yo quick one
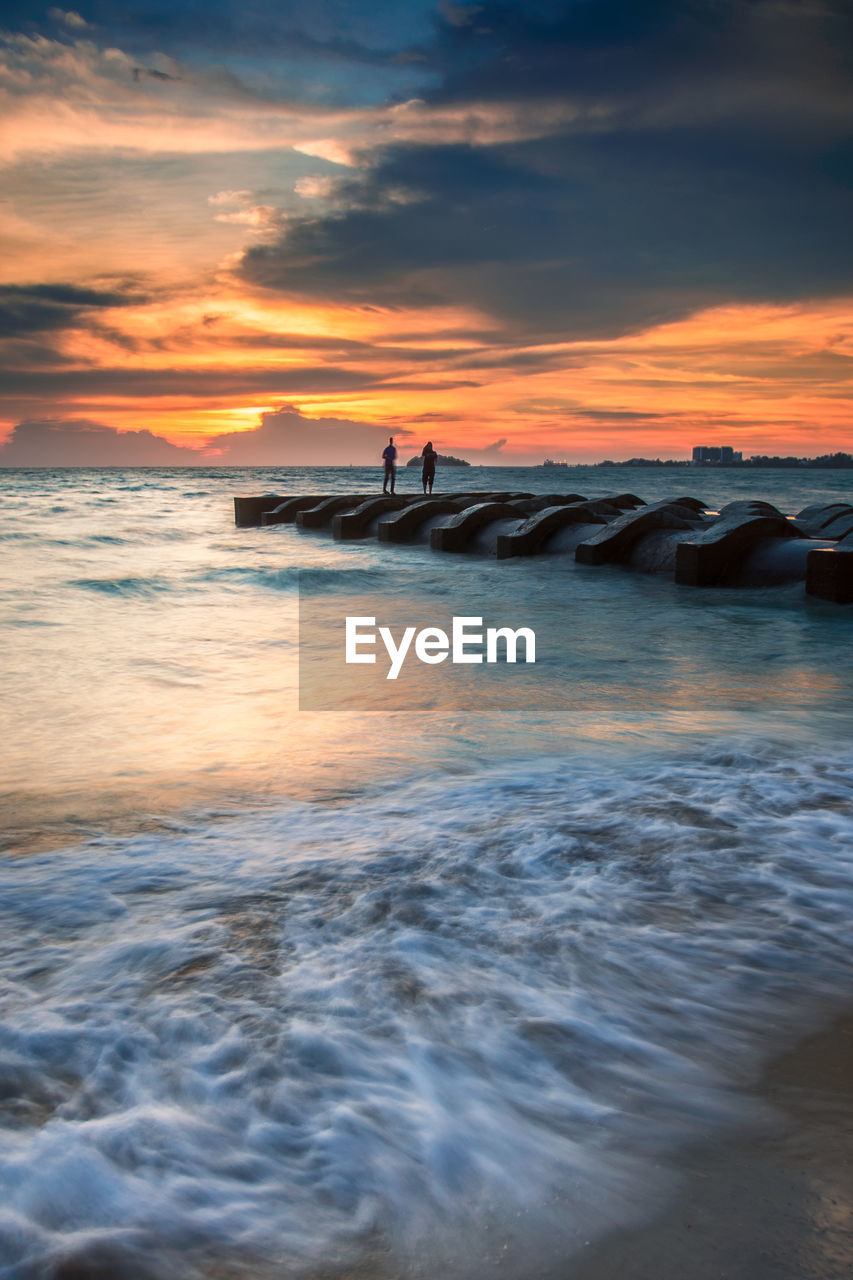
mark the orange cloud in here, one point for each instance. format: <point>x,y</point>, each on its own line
<point>764,379</point>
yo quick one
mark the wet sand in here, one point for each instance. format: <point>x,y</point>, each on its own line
<point>776,1204</point>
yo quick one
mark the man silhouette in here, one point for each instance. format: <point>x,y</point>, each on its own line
<point>389,454</point>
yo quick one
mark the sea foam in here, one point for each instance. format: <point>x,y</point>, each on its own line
<point>456,1023</point>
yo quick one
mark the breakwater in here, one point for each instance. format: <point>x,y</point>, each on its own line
<point>747,543</point>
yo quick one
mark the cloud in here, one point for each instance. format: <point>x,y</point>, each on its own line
<point>286,438</point>
<point>153,73</point>
<point>79,442</point>
<point>235,381</point>
<point>555,175</point>
<point>240,207</point>
<point>315,187</point>
<point>663,61</point>
<point>449,441</point>
<point>657,160</point>
<point>67,18</point>
<point>458,15</point>
<point>42,307</point>
<point>330,36</point>
<point>578,236</point>
<point>59,96</point>
<point>489,455</point>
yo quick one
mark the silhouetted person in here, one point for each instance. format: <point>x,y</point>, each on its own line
<point>389,454</point>
<point>430,458</point>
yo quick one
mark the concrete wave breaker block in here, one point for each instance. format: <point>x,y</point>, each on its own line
<point>690,504</point>
<point>714,556</point>
<point>624,501</point>
<point>404,525</point>
<point>287,511</point>
<point>815,519</point>
<point>354,524</point>
<point>459,530</point>
<point>530,506</point>
<point>617,539</point>
<point>776,561</point>
<point>248,510</point>
<point>838,528</point>
<point>527,539</point>
<point>829,575</point>
<point>753,506</point>
<point>320,516</point>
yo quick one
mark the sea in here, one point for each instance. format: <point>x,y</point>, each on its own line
<point>388,992</point>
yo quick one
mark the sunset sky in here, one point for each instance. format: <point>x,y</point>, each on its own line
<point>276,232</point>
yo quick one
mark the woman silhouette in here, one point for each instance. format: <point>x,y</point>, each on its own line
<point>429,456</point>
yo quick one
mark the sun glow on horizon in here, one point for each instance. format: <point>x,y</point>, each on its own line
<point>762,378</point>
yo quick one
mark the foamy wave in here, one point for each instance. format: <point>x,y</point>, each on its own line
<point>460,1023</point>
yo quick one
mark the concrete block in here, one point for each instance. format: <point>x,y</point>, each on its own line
<point>248,510</point>
<point>460,529</point>
<point>839,527</point>
<point>354,524</point>
<point>529,536</point>
<point>829,575</point>
<point>624,501</point>
<point>287,511</point>
<point>320,516</point>
<point>404,525</point>
<point>713,557</point>
<point>617,539</point>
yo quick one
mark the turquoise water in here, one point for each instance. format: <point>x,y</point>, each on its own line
<point>285,991</point>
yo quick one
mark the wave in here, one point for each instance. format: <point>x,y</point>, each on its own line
<point>123,586</point>
<point>286,579</point>
<point>321,581</point>
<point>457,1022</point>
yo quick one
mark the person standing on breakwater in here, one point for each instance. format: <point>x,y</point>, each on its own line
<point>389,454</point>
<point>429,456</point>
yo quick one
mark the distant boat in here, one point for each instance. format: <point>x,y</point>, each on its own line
<point>549,462</point>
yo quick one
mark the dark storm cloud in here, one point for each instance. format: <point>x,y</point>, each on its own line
<point>129,382</point>
<point>43,307</point>
<point>641,54</point>
<point>624,231</point>
<point>717,170</point>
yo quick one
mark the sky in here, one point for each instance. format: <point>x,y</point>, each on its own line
<point>270,233</point>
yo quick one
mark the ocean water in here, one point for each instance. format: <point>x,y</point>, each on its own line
<point>301,994</point>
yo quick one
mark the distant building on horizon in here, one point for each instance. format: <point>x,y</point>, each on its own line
<point>710,455</point>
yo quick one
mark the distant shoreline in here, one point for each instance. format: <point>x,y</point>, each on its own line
<point>207,465</point>
<point>805,464</point>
